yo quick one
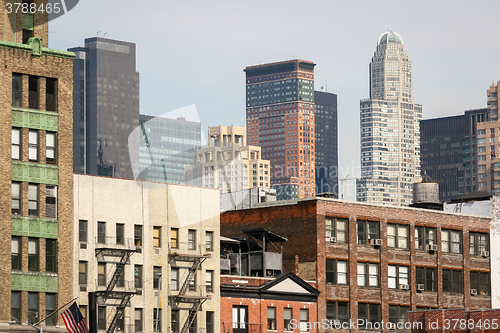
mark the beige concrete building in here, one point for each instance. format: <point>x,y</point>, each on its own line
<point>228,163</point>
<point>163,238</point>
<point>36,85</point>
<point>488,148</point>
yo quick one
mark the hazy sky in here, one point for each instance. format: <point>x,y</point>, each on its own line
<point>194,52</point>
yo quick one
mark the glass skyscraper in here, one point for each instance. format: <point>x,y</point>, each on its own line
<point>390,132</point>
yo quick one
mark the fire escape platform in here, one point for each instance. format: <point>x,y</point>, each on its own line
<point>187,256</point>
<point>188,298</point>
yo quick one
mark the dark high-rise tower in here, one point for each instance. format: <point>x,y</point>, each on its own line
<point>280,119</point>
<point>106,106</point>
<point>326,147</point>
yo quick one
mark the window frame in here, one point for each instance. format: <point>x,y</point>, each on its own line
<point>191,239</point>
<point>15,306</point>
<point>138,234</point>
<point>209,281</point>
<point>156,277</point>
<point>138,273</point>
<point>332,230</point>
<point>397,238</point>
<point>425,281</point>
<point>51,258</point>
<point>157,312</point>
<point>82,274</point>
<point>336,305</point>
<point>447,245</point>
<point>475,248</point>
<point>47,95</point>
<point>33,189</point>
<point>33,254</point>
<point>18,198</point>
<point>51,320</point>
<point>33,95</point>
<point>101,232</point>
<point>398,279</point>
<point>101,276</point>
<point>16,141</point>
<point>33,145</point>
<point>120,233</point>
<point>400,309</point>
<point>49,148</point>
<point>480,287</point>
<point>209,241</point>
<point>156,236</point>
<point>370,316</point>
<point>174,241</point>
<point>332,275</point>
<point>450,285</point>
<point>303,325</point>
<point>271,318</point>
<point>17,94</point>
<point>366,275</point>
<point>364,236</point>
<point>101,318</point>
<point>174,320</point>
<point>16,257</point>
<point>287,322</point>
<point>138,323</point>
<point>83,232</point>
<point>209,321</point>
<point>33,306</point>
<point>422,239</point>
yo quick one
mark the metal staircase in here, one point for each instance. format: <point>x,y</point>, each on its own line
<point>122,251</point>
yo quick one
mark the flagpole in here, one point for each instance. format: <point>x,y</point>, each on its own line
<point>54,312</point>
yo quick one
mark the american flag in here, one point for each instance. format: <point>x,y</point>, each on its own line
<point>75,323</point>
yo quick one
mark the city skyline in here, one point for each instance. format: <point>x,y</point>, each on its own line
<point>448,56</point>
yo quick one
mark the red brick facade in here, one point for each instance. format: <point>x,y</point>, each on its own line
<point>303,223</point>
<point>455,321</point>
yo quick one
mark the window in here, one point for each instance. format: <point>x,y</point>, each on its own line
<point>397,235</point>
<point>101,318</point>
<point>271,318</point>
<point>82,230</point>
<point>15,305</point>
<point>16,198</point>
<point>174,238</point>
<point>34,89</point>
<point>337,311</point>
<point>120,229</point>
<point>368,274</point>
<point>367,230</point>
<point>101,232</point>
<point>16,253</point>
<point>156,276</point>
<point>370,314</point>
<point>120,323</point>
<point>138,276</point>
<point>174,320</point>
<point>481,132</point>
<point>192,281</point>
<point>209,241</point>
<point>398,315</point>
<point>33,308</point>
<point>398,275</point>
<point>452,281</point>
<point>478,242</point>
<point>50,94</point>
<point>50,148</point>
<point>287,319</point>
<point>157,320</point>
<point>336,227</point>
<point>209,322</point>
<point>138,235</point>
<point>451,241</point>
<point>191,239</point>
<point>50,306</point>
<point>33,200</point>
<point>304,320</point>
<point>17,93</point>
<point>33,254</point>
<point>101,274</point>
<point>240,317</point>
<point>16,143</point>
<point>120,270</point>
<point>50,255</point>
<point>138,320</point>
<point>33,145</point>
<point>480,281</point>
<point>424,236</point>
<point>192,328</point>
<point>82,273</point>
<point>209,278</point>
<point>83,310</point>
<point>336,271</point>
<point>157,236</point>
<point>427,277</point>
<point>51,202</point>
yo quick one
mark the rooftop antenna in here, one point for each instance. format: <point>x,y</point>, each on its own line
<point>326,85</point>
<point>98,33</point>
<point>105,34</point>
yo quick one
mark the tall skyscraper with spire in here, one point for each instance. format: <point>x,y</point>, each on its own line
<point>390,132</point>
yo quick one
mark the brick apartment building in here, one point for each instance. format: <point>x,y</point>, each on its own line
<point>460,320</point>
<point>36,85</point>
<point>374,262</point>
<point>258,304</point>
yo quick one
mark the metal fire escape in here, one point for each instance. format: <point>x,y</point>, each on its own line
<point>121,250</point>
<point>195,299</point>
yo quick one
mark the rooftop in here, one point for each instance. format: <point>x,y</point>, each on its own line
<point>390,37</point>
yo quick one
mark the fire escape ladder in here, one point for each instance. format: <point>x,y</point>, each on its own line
<point>192,315</point>
<point>191,274</point>
<point>119,270</point>
<point>119,313</point>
